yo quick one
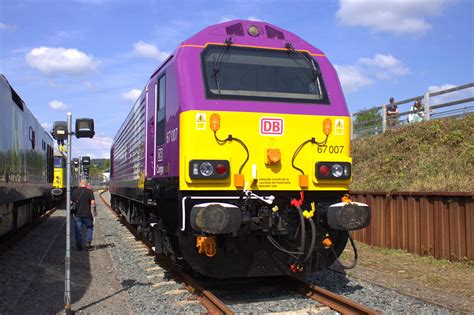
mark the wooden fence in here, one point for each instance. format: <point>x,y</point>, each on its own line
<point>436,224</point>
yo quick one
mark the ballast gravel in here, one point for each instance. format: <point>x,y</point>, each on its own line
<point>152,290</point>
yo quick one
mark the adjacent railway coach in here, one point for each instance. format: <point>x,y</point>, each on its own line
<point>26,162</point>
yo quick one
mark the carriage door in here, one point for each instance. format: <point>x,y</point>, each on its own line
<point>150,130</point>
<point>160,94</point>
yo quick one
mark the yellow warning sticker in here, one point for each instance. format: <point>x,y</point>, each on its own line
<point>339,127</point>
<point>200,121</point>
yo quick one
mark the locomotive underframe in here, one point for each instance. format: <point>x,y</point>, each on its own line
<point>158,215</point>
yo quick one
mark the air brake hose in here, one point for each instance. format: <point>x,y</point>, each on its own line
<point>354,261</point>
<point>303,228</point>
<point>313,240</point>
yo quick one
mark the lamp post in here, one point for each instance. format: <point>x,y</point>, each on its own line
<point>67,293</point>
<point>62,130</point>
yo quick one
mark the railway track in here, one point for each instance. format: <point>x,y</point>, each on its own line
<point>216,306</point>
<point>213,304</point>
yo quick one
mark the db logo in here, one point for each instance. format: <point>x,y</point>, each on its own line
<point>271,126</point>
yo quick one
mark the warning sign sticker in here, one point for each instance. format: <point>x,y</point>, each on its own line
<point>200,121</point>
<point>339,127</point>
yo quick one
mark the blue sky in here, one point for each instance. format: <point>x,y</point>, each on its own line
<point>91,57</point>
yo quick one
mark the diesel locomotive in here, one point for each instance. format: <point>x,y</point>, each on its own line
<point>26,162</point>
<point>235,159</point>
<point>60,172</point>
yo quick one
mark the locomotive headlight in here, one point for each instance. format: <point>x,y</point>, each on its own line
<point>206,169</point>
<point>337,170</point>
<point>195,169</point>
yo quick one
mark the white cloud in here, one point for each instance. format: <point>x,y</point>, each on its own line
<point>91,87</point>
<point>147,50</point>
<point>4,26</point>
<point>96,148</point>
<point>351,77</point>
<point>367,70</point>
<point>59,60</point>
<point>448,97</point>
<point>57,105</point>
<point>227,18</point>
<point>385,66</point>
<point>391,16</point>
<point>253,18</point>
<point>46,125</point>
<point>131,95</point>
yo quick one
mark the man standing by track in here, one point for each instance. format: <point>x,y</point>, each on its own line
<point>85,202</point>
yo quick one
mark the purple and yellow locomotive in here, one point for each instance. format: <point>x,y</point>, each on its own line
<point>235,158</point>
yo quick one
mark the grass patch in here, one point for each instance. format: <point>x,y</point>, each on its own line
<point>435,155</point>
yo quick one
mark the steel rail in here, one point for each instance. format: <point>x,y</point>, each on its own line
<point>332,300</point>
<point>212,303</point>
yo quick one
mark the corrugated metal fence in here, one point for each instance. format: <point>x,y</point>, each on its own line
<point>436,224</point>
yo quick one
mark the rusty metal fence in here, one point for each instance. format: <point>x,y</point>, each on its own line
<point>435,224</point>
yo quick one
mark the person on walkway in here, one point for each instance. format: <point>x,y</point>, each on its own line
<point>418,114</point>
<point>85,206</point>
<point>392,113</point>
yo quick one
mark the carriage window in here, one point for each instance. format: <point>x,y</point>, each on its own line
<point>161,107</point>
<point>262,74</point>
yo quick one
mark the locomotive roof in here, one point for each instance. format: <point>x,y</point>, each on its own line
<point>269,36</point>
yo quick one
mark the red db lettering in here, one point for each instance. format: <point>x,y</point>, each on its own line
<point>271,126</point>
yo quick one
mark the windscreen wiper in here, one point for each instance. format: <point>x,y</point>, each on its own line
<point>218,61</point>
<point>315,70</point>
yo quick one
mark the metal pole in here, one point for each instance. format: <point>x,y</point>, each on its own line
<point>67,293</point>
<point>426,104</point>
<point>384,118</point>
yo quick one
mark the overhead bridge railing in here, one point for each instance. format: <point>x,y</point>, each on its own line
<point>434,105</point>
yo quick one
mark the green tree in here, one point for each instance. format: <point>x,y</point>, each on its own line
<point>368,119</point>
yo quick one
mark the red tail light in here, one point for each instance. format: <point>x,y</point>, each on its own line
<point>324,170</point>
<point>221,169</point>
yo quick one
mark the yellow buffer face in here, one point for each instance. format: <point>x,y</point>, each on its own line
<point>272,140</point>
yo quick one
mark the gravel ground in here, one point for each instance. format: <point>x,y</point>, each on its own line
<point>28,258</point>
<point>385,300</point>
<point>151,290</point>
<point>32,274</point>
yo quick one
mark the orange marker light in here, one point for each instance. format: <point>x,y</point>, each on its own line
<point>215,122</point>
<point>273,156</point>
<point>327,126</point>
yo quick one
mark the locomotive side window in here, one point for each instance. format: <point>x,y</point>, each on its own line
<point>160,107</point>
<point>262,74</point>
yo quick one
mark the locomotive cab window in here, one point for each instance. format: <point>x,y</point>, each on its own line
<point>262,74</point>
<point>58,161</point>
